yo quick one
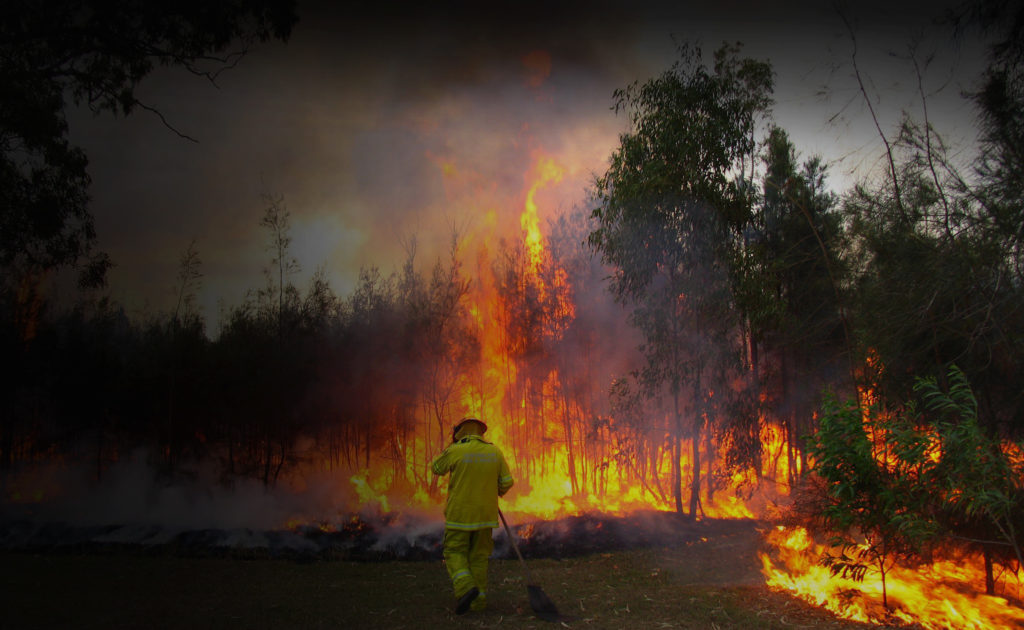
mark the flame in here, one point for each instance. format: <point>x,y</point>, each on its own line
<point>565,455</point>
<point>945,593</point>
<point>368,494</point>
<point>545,171</point>
<point>562,450</point>
<point>933,596</point>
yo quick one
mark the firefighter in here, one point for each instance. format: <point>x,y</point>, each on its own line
<point>479,475</point>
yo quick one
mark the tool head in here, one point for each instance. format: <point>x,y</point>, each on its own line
<point>542,604</point>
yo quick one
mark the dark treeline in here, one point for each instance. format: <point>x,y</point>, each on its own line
<point>93,382</point>
<point>301,379</point>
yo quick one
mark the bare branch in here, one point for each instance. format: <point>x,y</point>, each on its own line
<point>874,116</point>
<point>164,120</point>
<point>928,142</point>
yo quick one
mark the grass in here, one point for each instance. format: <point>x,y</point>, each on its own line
<point>710,584</point>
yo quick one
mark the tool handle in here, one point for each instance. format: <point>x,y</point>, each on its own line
<point>511,538</point>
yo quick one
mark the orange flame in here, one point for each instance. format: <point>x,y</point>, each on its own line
<point>545,171</point>
<point>934,596</point>
<point>563,454</point>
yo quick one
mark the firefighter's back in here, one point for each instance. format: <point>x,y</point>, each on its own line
<point>473,488</point>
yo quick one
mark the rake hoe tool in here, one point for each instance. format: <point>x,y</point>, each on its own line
<point>539,601</point>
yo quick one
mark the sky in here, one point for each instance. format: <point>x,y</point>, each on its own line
<point>385,126</point>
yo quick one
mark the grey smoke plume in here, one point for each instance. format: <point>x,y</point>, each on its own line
<point>132,493</point>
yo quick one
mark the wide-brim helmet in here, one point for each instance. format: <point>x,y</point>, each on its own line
<point>463,422</point>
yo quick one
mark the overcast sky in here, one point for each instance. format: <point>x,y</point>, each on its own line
<point>378,127</point>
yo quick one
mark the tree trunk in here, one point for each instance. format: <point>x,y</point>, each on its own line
<point>695,484</point>
<point>790,454</point>
<point>677,472</point>
<point>990,582</point>
<point>885,592</point>
<point>570,455</point>
<point>790,435</point>
<point>754,357</point>
<point>280,464</point>
<point>698,422</point>
<point>709,457</point>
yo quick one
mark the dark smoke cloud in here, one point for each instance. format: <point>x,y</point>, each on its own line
<point>351,119</point>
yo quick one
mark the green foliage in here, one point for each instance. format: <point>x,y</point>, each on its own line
<point>976,477</point>
<point>788,285</point>
<point>672,192</point>
<point>874,505</point>
<point>937,245</point>
<point>670,209</point>
<point>899,483</point>
<point>802,241</point>
<point>671,197</point>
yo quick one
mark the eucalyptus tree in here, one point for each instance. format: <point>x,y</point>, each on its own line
<point>280,298</point>
<point>669,210</point>
<point>792,290</point>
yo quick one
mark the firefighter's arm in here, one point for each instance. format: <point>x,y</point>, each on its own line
<point>442,464</point>
<point>505,480</point>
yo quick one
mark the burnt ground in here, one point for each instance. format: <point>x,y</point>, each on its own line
<point>602,572</point>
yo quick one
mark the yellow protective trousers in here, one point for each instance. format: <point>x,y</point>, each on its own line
<point>465,555</point>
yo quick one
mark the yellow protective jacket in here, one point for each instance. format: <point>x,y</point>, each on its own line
<point>479,476</point>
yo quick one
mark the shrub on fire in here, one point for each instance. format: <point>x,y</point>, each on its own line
<point>900,484</point>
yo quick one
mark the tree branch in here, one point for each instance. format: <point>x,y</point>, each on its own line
<point>928,143</point>
<point>164,120</point>
<point>874,116</point>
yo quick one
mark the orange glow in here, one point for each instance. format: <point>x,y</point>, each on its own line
<point>947,593</point>
<point>569,455</point>
<point>941,595</point>
<point>562,446</point>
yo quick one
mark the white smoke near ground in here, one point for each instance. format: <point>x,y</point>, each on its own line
<point>61,507</point>
<point>132,492</point>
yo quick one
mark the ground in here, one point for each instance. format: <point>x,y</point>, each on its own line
<point>713,583</point>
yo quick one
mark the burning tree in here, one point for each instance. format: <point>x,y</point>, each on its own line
<point>791,271</point>
<point>670,209</point>
<point>871,503</point>
<point>977,480</point>
<point>900,484</point>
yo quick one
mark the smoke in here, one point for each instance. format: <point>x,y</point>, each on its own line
<point>132,492</point>
<point>54,507</point>
<point>132,511</point>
